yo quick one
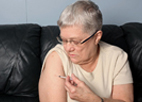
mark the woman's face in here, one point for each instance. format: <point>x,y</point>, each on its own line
<point>80,53</point>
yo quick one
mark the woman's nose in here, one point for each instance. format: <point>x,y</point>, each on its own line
<point>69,47</point>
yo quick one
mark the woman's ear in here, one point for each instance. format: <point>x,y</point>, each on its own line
<point>98,36</point>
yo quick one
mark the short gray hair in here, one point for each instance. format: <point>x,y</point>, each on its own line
<point>82,12</point>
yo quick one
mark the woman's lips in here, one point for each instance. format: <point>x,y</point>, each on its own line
<point>71,55</point>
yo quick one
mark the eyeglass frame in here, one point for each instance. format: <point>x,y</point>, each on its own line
<point>81,41</point>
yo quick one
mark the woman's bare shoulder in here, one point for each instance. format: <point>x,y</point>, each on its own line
<point>53,59</point>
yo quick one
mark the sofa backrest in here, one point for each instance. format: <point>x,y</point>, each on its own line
<point>133,36</point>
<point>19,59</point>
<point>48,39</point>
<point>23,49</point>
<point>113,34</point>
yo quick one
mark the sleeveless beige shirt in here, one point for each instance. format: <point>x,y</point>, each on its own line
<point>112,69</point>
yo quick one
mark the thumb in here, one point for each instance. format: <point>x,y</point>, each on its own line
<point>75,79</point>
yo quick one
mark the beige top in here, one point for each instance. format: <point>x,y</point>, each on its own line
<point>112,69</point>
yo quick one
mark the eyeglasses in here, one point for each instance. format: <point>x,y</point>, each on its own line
<point>74,42</point>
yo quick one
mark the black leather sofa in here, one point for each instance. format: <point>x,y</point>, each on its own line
<point>24,46</point>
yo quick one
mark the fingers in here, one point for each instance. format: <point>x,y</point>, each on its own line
<point>79,92</point>
<point>69,82</point>
<point>75,79</point>
<point>68,78</point>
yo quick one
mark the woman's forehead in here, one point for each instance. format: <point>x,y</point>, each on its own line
<point>72,32</point>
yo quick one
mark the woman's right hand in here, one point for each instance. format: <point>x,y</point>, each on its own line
<point>79,91</point>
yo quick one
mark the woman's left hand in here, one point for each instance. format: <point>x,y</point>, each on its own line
<point>79,91</point>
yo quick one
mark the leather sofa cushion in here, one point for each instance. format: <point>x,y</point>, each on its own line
<point>48,39</point>
<point>133,36</point>
<point>20,59</point>
<point>113,34</point>
<point>9,98</point>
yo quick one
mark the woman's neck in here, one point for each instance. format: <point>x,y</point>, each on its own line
<point>92,62</point>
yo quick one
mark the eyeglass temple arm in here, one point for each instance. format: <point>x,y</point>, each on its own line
<point>89,37</point>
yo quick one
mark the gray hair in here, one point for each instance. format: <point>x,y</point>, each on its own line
<point>82,12</point>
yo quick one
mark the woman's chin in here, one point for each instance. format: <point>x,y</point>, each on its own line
<point>74,61</point>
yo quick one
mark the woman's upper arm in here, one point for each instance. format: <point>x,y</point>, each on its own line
<point>123,92</point>
<point>51,87</point>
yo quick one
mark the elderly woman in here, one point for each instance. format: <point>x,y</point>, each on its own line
<point>95,71</point>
